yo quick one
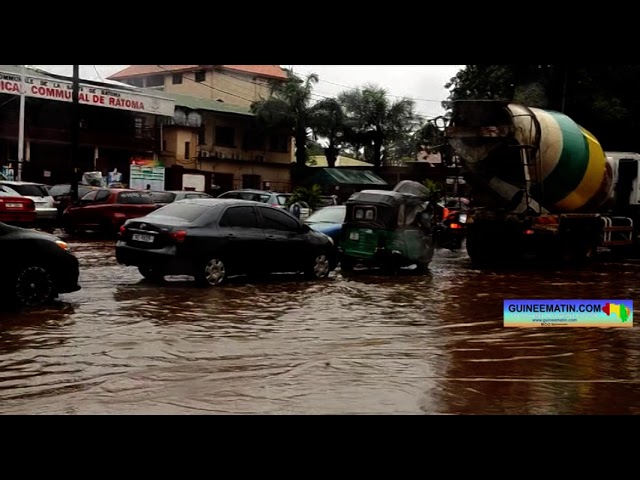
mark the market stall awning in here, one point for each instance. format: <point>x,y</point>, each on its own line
<point>347,176</point>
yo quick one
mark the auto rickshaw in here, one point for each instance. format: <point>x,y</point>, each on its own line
<point>388,229</point>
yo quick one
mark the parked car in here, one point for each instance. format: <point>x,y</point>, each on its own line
<point>212,239</point>
<point>46,210</point>
<point>277,200</point>
<point>36,267</point>
<point>163,198</point>
<point>328,220</point>
<point>106,210</point>
<point>62,195</point>
<point>16,209</point>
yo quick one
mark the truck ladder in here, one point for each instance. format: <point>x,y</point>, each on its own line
<point>528,158</point>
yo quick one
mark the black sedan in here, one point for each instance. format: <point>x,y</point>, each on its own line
<point>35,268</point>
<point>211,239</point>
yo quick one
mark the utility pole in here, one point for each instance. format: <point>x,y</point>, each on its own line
<point>23,90</point>
<point>75,131</point>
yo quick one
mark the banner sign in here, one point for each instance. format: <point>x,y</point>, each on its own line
<point>51,89</point>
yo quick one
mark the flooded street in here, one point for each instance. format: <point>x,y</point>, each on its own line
<point>364,344</point>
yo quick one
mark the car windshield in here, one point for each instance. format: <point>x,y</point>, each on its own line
<point>30,190</point>
<point>137,198</point>
<point>283,199</point>
<point>183,211</point>
<point>60,190</point>
<point>327,215</point>
<point>162,197</point>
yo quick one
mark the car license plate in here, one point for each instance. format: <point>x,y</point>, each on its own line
<point>354,236</point>
<point>142,238</point>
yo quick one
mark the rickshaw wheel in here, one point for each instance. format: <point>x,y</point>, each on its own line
<point>347,265</point>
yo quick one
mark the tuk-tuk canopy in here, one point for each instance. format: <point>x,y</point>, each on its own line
<point>383,209</point>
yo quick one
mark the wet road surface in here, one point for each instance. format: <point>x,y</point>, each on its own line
<point>363,344</point>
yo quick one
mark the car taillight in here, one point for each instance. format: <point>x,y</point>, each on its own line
<point>122,230</point>
<point>455,226</point>
<point>178,236</point>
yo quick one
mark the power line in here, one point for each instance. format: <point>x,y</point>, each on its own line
<point>345,86</point>
<point>325,96</point>
<point>99,76</point>
<point>208,86</point>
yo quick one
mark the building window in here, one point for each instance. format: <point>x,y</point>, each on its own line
<point>177,78</point>
<point>155,81</point>
<point>279,143</point>
<point>136,82</point>
<point>251,181</point>
<point>138,123</point>
<point>201,136</point>
<point>187,150</point>
<point>201,76</point>
<point>253,140</point>
<point>225,136</point>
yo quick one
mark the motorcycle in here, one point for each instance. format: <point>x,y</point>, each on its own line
<point>451,230</point>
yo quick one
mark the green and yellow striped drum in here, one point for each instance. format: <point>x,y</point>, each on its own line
<point>570,161</point>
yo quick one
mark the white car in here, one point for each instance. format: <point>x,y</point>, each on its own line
<point>46,211</point>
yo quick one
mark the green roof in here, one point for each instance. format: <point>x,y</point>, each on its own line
<point>197,103</point>
<point>345,176</point>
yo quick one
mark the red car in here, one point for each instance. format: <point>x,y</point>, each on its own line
<point>106,210</point>
<point>16,209</point>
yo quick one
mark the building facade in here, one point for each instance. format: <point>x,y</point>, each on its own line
<point>117,125</point>
<point>234,84</point>
<point>216,147</point>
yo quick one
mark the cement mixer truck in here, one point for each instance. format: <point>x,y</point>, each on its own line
<point>541,185</point>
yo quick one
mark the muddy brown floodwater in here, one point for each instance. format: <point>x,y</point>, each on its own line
<point>366,344</point>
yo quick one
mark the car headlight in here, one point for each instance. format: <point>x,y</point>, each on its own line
<point>462,218</point>
<point>63,245</point>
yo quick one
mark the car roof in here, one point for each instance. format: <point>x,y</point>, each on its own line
<point>214,202</point>
<point>15,182</point>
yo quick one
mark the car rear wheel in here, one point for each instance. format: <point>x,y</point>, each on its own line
<point>320,266</point>
<point>151,273</point>
<point>212,273</point>
<point>33,286</point>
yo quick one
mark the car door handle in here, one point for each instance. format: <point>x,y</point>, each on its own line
<point>271,237</point>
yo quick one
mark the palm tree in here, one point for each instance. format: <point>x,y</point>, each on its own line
<point>373,121</point>
<point>289,107</point>
<point>328,121</point>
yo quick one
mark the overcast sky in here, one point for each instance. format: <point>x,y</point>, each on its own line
<point>423,83</point>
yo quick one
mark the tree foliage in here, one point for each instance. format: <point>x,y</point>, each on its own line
<point>601,98</point>
<point>373,122</point>
<point>289,107</point>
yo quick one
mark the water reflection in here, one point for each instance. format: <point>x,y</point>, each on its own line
<point>537,371</point>
<point>362,343</point>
